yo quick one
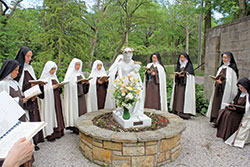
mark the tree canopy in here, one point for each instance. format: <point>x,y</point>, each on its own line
<point>60,30</point>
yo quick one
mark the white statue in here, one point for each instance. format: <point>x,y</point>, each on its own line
<point>126,67</point>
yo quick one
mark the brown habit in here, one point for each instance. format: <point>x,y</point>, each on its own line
<point>82,89</point>
<point>152,99</point>
<point>218,94</point>
<point>32,107</point>
<point>18,93</point>
<point>228,120</point>
<point>179,95</point>
<point>101,91</point>
<point>59,130</point>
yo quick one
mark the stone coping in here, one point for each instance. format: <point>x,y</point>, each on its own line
<point>85,126</point>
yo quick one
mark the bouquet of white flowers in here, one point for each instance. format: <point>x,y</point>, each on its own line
<point>126,93</point>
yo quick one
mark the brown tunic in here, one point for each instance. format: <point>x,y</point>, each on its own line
<point>18,93</point>
<point>32,107</point>
<point>82,89</point>
<point>101,91</point>
<point>179,95</point>
<point>218,94</point>
<point>228,120</point>
<point>152,99</point>
<point>59,130</point>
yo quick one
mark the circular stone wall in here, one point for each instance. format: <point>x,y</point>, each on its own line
<point>130,149</point>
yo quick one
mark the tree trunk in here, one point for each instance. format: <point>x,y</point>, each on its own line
<point>127,30</point>
<point>1,9</point>
<point>207,20</point>
<point>119,46</point>
<point>200,36</point>
<point>94,40</point>
<point>127,39</point>
<point>92,51</point>
<point>146,43</point>
<point>187,39</point>
<point>242,8</point>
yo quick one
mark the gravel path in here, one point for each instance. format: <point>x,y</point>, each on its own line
<point>200,147</point>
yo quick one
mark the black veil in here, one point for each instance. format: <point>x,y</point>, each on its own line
<point>189,67</point>
<point>7,68</point>
<point>21,59</point>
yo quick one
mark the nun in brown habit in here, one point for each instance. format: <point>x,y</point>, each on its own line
<point>26,73</point>
<point>98,88</point>
<point>229,118</point>
<point>51,105</point>
<point>74,94</point>
<point>155,84</point>
<point>225,88</point>
<point>183,93</point>
<point>8,73</point>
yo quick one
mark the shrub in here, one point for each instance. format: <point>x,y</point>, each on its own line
<point>201,102</point>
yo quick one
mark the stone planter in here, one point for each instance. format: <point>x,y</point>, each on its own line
<point>130,149</point>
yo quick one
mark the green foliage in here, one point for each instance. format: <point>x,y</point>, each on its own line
<point>61,30</point>
<point>169,92</point>
<point>63,36</point>
<point>201,102</point>
<point>142,72</point>
<point>170,68</point>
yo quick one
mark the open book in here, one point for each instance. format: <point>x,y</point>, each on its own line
<point>151,68</point>
<point>84,80</point>
<point>63,83</point>
<point>180,73</point>
<point>33,91</point>
<point>234,105</point>
<point>11,129</point>
<point>38,82</point>
<point>103,78</point>
<point>220,76</point>
<point>213,77</point>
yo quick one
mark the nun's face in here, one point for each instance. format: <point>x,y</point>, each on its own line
<point>242,89</point>
<point>52,71</point>
<point>225,58</point>
<point>77,66</point>
<point>183,58</point>
<point>28,57</point>
<point>99,67</point>
<point>14,73</point>
<point>154,58</point>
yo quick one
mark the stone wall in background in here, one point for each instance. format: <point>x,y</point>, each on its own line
<point>233,37</point>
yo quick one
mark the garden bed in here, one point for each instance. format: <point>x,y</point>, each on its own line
<point>107,121</point>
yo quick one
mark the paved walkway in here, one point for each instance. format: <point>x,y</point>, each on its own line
<point>200,148</point>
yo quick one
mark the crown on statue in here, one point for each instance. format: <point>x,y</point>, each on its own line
<point>127,50</point>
